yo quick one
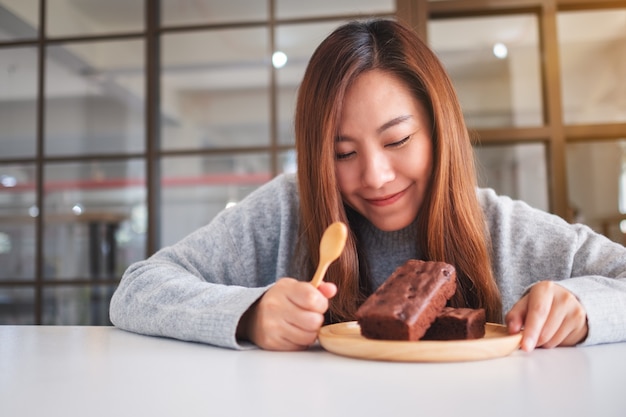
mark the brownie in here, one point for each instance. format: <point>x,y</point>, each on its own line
<point>406,304</point>
<point>457,324</point>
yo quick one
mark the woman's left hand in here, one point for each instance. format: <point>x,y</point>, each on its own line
<point>550,316</point>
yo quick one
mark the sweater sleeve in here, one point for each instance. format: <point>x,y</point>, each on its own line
<point>530,245</point>
<point>599,282</point>
<point>198,288</point>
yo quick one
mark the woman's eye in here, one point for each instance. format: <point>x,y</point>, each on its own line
<point>398,143</point>
<point>340,156</point>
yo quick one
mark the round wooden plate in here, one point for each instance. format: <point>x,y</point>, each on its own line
<point>345,339</point>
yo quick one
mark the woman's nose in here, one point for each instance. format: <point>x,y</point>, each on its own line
<point>378,170</point>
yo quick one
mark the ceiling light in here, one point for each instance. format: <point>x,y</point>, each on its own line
<point>279,59</point>
<point>8,181</point>
<point>500,50</point>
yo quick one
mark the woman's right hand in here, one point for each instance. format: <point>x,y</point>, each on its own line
<point>288,316</point>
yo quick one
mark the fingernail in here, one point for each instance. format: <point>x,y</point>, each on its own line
<point>528,344</point>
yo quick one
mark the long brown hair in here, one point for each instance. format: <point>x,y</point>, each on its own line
<point>451,226</point>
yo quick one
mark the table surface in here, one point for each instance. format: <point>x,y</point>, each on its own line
<point>104,371</point>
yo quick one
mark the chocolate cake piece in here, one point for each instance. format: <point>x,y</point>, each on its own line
<point>406,304</point>
<point>457,324</point>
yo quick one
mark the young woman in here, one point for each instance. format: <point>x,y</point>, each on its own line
<point>382,146</point>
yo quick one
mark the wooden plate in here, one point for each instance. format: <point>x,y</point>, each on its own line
<point>345,339</point>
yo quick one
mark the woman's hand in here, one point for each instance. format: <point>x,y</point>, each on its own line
<point>288,316</point>
<point>550,316</point>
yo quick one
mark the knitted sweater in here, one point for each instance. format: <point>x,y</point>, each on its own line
<point>198,288</point>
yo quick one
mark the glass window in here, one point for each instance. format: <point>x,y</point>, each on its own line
<point>494,64</point>
<point>94,218</point>
<point>186,12</point>
<point>215,89</point>
<point>195,189</point>
<point>18,102</point>
<point>287,162</point>
<point>18,214</point>
<point>17,306</point>
<point>596,178</point>
<point>518,171</point>
<point>297,42</point>
<point>305,8</point>
<point>19,20</point>
<point>593,67</point>
<point>95,98</point>
<point>77,305</point>
<point>72,18</point>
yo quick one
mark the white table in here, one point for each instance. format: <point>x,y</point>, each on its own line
<point>102,371</point>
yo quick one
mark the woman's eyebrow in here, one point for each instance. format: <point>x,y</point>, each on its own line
<point>393,122</point>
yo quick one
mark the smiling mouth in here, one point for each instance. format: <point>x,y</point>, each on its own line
<point>386,200</point>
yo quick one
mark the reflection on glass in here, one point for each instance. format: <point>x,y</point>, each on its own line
<point>95,218</point>
<point>18,214</point>
<point>595,191</point>
<point>592,65</point>
<point>94,98</point>
<point>518,171</point>
<point>306,8</point>
<point>184,12</point>
<point>494,91</point>
<point>215,89</point>
<point>287,162</point>
<point>195,189</point>
<point>20,19</point>
<point>17,306</point>
<point>18,102</point>
<point>74,18</point>
<point>298,42</point>
<point>77,305</point>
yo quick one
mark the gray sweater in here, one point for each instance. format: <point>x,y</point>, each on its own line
<point>199,288</point>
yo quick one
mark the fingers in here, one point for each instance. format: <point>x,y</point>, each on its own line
<point>289,315</point>
<point>516,316</point>
<point>306,296</point>
<point>572,318</point>
<point>328,289</point>
<point>538,309</point>
<point>550,316</point>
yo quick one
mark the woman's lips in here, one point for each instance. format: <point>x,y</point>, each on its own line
<point>386,200</point>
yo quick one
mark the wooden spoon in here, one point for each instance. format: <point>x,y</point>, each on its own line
<point>331,246</point>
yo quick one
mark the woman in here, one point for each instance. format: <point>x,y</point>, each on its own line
<point>382,146</point>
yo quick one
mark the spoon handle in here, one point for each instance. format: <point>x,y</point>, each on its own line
<point>331,245</point>
<point>319,274</point>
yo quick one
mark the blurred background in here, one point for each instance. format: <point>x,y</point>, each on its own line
<point>126,124</point>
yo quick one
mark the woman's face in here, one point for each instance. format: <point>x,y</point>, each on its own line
<point>383,151</point>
